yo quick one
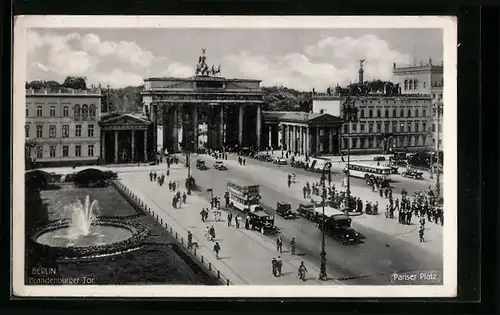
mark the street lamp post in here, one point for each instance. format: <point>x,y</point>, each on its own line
<point>322,273</point>
<point>350,114</point>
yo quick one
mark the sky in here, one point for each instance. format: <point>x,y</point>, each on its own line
<point>302,59</point>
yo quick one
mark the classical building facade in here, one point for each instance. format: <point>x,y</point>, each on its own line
<point>229,107</point>
<point>304,133</point>
<point>384,124</point>
<point>424,79</point>
<point>124,138</point>
<point>63,126</point>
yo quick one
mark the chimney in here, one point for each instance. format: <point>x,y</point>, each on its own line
<point>393,65</point>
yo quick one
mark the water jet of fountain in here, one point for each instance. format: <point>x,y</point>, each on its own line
<point>81,216</point>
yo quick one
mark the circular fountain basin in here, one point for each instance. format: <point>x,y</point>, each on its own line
<point>71,236</point>
<point>106,236</point>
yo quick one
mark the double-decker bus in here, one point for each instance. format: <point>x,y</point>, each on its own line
<point>243,196</point>
<point>369,171</point>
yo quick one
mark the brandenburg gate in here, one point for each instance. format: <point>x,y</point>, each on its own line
<point>230,108</point>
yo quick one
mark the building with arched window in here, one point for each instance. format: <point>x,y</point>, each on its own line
<point>65,131</point>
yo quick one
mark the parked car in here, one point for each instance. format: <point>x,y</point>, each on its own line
<point>261,221</point>
<point>219,165</point>
<point>200,164</point>
<point>280,161</point>
<point>379,158</point>
<point>284,210</point>
<point>412,173</point>
<point>298,164</point>
<point>269,158</point>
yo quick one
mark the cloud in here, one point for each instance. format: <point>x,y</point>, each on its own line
<point>119,64</point>
<point>325,63</point>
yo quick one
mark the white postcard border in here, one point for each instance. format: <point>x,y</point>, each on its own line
<point>447,23</point>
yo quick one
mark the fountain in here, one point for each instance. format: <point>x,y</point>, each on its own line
<point>83,233</point>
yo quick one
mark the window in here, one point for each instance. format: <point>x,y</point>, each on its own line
<point>386,126</point>
<point>39,131</point>
<point>362,127</point>
<point>401,127</point>
<point>52,111</point>
<point>424,85</point>
<point>65,151</point>
<point>78,131</point>
<point>406,85</point>
<point>409,113</point>
<point>362,113</point>
<point>402,113</point>
<point>379,127</point>
<point>85,111</point>
<point>77,111</point>
<point>27,112</point>
<point>394,127</point>
<point>39,111</point>
<point>65,111</point>
<point>52,151</point>
<point>433,127</point>
<point>91,131</point>
<point>416,112</point>
<point>424,113</point>
<point>27,131</point>
<point>434,95</point>
<point>93,111</point>
<point>90,150</point>
<point>440,96</point>
<point>355,142</point>
<point>417,125</point>
<point>370,142</point>
<point>52,131</point>
<point>370,127</point>
<point>354,127</point>
<point>379,113</point>
<point>370,113</point>
<point>394,112</point>
<point>409,126</point>
<point>39,151</point>
<point>78,150</point>
<point>415,85</point>
<point>65,131</point>
<point>424,126</point>
<point>410,85</point>
<point>345,143</point>
<point>386,113</point>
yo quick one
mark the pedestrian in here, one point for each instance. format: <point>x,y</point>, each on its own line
<point>304,191</point>
<point>244,161</point>
<point>190,240</point>
<point>292,246</point>
<point>289,182</point>
<point>279,264</point>
<point>229,218</point>
<point>237,221</point>
<point>207,233</point>
<point>247,223</point>
<point>150,176</point>
<point>219,215</point>
<point>422,223</point>
<point>202,214</point>
<point>421,234</point>
<point>217,249</point>
<point>275,266</point>
<point>212,233</point>
<point>214,214</point>
<point>279,244</point>
<point>184,197</point>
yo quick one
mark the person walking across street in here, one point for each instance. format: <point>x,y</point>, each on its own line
<point>237,221</point>
<point>229,218</point>
<point>292,246</point>
<point>274,263</point>
<point>302,271</point>
<point>279,264</point>
<point>279,244</point>
<point>217,249</point>
<point>421,234</point>
<point>212,233</point>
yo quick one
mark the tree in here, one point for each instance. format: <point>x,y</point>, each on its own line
<point>29,144</point>
<point>77,83</point>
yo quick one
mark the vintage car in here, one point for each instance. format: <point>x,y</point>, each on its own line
<point>306,210</point>
<point>269,158</point>
<point>280,161</point>
<point>339,227</point>
<point>412,173</point>
<point>298,164</point>
<point>284,209</point>
<point>262,156</point>
<point>219,165</point>
<point>260,220</point>
<point>200,164</point>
